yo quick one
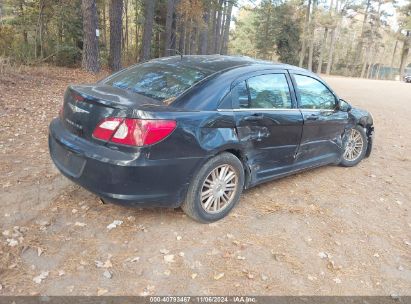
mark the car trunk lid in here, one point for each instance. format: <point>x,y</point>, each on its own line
<point>86,105</point>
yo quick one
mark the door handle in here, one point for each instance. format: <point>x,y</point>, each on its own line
<point>312,117</point>
<point>254,117</point>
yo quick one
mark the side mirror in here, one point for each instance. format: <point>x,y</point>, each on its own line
<point>344,106</point>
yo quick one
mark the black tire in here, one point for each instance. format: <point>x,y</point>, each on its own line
<point>350,163</point>
<point>192,205</point>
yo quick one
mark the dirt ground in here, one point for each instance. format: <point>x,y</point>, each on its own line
<point>330,231</point>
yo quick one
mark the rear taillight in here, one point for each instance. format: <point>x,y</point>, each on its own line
<point>134,132</point>
<point>106,128</point>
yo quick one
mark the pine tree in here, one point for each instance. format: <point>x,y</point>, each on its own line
<point>90,40</point>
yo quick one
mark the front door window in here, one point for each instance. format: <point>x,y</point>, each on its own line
<point>313,94</point>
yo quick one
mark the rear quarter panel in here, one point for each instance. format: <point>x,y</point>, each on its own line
<point>198,134</point>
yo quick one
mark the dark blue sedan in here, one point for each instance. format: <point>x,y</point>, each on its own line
<point>194,131</point>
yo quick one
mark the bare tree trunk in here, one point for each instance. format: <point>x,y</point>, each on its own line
<point>158,44</point>
<point>116,22</point>
<point>358,52</point>
<point>331,52</point>
<point>21,15</point>
<point>378,72</point>
<point>203,40</point>
<point>90,60</point>
<point>149,6</point>
<point>266,29</point>
<point>392,58</point>
<point>126,26</point>
<point>312,32</point>
<point>218,26</point>
<point>223,20</point>
<point>404,53</point>
<point>169,27</point>
<point>371,63</point>
<point>182,32</point>
<point>304,45</point>
<point>322,51</point>
<point>104,25</point>
<point>136,12</point>
<point>211,30</point>
<point>193,40</point>
<point>41,29</point>
<point>224,47</point>
<point>189,28</point>
<point>366,61</point>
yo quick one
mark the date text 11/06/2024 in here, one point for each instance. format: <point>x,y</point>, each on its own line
<point>221,299</point>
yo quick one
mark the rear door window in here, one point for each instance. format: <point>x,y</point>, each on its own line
<point>269,91</point>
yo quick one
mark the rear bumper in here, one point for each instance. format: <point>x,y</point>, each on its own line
<point>119,177</point>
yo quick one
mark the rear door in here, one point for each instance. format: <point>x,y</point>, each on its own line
<point>324,123</point>
<point>269,125</point>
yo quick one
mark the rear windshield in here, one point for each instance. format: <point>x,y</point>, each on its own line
<point>160,81</point>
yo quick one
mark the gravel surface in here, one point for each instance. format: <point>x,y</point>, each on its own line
<point>329,231</point>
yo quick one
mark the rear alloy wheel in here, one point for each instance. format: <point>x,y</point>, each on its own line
<point>355,146</point>
<point>216,189</point>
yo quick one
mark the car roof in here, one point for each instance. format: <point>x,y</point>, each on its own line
<point>219,63</point>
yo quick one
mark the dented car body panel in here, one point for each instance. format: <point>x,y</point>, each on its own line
<point>270,142</point>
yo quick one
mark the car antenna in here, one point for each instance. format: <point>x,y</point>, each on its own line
<point>177,52</point>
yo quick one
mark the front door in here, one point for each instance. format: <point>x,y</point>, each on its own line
<point>269,125</point>
<point>324,123</point>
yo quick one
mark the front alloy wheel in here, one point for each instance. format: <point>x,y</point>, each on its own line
<point>355,146</point>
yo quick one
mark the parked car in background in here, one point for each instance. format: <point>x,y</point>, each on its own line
<point>195,131</point>
<point>407,78</point>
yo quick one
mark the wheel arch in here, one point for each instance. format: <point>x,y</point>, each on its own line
<point>368,125</point>
<point>243,159</point>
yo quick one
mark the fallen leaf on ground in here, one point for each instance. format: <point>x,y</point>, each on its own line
<point>114,224</point>
<point>169,258</point>
<point>148,290</point>
<point>12,242</point>
<point>218,276</point>
<point>311,278</point>
<point>106,264</point>
<point>101,291</point>
<point>107,274</point>
<point>41,277</point>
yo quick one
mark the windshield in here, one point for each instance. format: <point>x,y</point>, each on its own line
<point>160,81</point>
